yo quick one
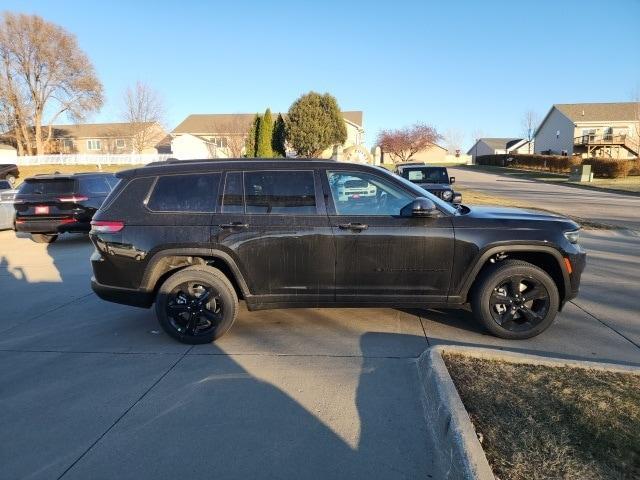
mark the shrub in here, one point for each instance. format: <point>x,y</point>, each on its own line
<point>549,163</point>
<point>609,167</point>
<point>635,166</point>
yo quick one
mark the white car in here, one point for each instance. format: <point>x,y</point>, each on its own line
<point>7,212</point>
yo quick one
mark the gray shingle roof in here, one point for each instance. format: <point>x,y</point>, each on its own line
<point>597,112</point>
<point>500,143</point>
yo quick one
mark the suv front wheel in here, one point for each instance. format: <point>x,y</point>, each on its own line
<point>197,305</point>
<point>515,299</point>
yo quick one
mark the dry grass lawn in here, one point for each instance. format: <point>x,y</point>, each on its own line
<point>31,170</point>
<point>540,422</point>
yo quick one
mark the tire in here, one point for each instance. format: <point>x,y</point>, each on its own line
<point>181,293</point>
<point>503,300</point>
<point>44,237</point>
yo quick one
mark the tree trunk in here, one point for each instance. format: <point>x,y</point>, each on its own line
<point>38,128</point>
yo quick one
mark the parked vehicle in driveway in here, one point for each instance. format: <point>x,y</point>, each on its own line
<point>48,205</point>
<point>433,179</point>
<point>194,237</point>
<point>7,212</point>
<point>9,172</point>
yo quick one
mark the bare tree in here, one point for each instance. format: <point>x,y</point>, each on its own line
<point>530,121</point>
<point>453,139</point>
<point>402,144</point>
<point>232,132</point>
<point>44,70</point>
<point>144,115</point>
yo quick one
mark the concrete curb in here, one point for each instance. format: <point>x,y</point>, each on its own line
<point>449,421</point>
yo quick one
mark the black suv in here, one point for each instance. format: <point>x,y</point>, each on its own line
<point>196,236</point>
<point>47,205</point>
<point>435,180</point>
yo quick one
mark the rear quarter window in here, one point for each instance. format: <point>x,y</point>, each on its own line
<point>55,186</point>
<point>185,193</point>
<point>95,186</point>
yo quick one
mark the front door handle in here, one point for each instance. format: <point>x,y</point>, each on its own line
<point>353,226</point>
<point>234,225</point>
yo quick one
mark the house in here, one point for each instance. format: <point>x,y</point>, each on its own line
<point>497,146</point>
<point>432,154</point>
<point>610,130</point>
<point>223,135</point>
<point>7,153</point>
<point>103,138</point>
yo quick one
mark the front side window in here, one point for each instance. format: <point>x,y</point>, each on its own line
<point>185,193</point>
<point>280,192</point>
<point>94,145</point>
<point>360,193</point>
<point>233,196</point>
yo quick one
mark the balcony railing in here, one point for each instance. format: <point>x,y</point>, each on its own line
<point>605,139</point>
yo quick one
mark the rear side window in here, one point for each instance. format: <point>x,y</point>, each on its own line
<point>280,192</point>
<point>185,193</point>
<point>55,186</point>
<point>94,186</point>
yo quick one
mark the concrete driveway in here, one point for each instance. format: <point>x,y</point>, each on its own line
<point>597,206</point>
<point>90,389</point>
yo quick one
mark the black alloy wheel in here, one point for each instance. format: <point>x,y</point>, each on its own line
<point>519,304</point>
<point>194,309</point>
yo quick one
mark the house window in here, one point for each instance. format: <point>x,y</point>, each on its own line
<point>94,145</point>
<point>120,143</point>
<point>220,142</point>
<point>67,143</point>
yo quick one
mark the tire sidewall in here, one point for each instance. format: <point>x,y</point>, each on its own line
<point>482,308</point>
<point>206,275</point>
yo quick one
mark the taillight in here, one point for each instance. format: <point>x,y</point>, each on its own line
<point>74,198</point>
<point>106,227</point>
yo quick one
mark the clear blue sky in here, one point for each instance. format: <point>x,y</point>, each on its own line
<point>468,66</point>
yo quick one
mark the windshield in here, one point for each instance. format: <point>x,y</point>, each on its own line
<point>421,192</point>
<point>426,174</point>
<point>55,186</point>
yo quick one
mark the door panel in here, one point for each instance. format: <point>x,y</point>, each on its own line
<point>285,246</point>
<point>380,254</point>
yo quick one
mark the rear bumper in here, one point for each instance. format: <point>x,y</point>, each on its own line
<point>124,296</point>
<point>46,225</point>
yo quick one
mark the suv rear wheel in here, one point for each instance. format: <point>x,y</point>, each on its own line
<point>197,305</point>
<point>515,299</point>
<point>44,237</point>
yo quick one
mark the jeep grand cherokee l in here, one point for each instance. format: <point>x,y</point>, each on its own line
<point>193,237</point>
<point>48,205</point>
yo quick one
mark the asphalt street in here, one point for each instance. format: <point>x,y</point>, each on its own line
<point>90,389</point>
<point>597,206</point>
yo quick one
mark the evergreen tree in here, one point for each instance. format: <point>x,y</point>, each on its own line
<point>265,132</point>
<point>279,137</point>
<point>251,142</point>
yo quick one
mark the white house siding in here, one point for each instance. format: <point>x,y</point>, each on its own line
<point>187,147</point>
<point>8,154</point>
<point>480,148</point>
<point>555,134</point>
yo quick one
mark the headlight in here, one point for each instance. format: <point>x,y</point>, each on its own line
<point>447,195</point>
<point>572,236</point>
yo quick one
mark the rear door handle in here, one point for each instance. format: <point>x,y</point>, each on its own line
<point>353,226</point>
<point>234,225</point>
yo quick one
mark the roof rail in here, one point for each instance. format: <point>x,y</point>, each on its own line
<point>173,161</point>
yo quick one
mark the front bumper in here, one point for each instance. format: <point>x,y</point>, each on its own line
<point>124,296</point>
<point>578,262</point>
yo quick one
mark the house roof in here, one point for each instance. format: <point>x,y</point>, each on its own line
<point>90,130</point>
<point>500,143</point>
<point>233,122</point>
<point>597,112</point>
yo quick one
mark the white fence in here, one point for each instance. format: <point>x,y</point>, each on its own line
<point>87,159</point>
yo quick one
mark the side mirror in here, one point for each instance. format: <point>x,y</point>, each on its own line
<point>457,199</point>
<point>452,179</point>
<point>420,207</point>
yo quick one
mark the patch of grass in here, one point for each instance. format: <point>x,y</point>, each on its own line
<point>540,422</point>
<point>27,171</point>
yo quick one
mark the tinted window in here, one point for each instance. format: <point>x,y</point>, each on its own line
<point>357,193</point>
<point>185,193</point>
<point>94,186</point>
<point>4,185</point>
<point>233,200</point>
<point>426,174</point>
<point>282,192</point>
<point>48,186</point>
